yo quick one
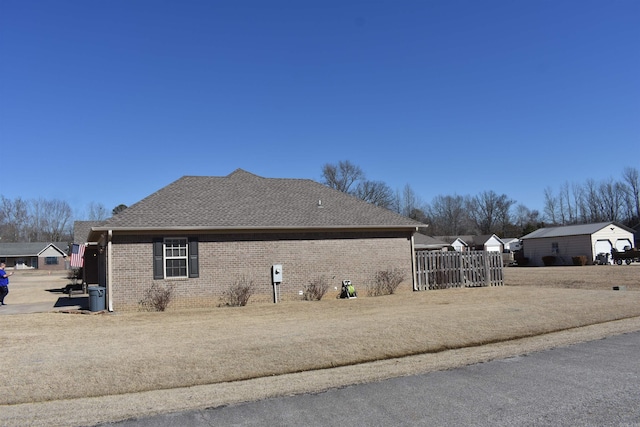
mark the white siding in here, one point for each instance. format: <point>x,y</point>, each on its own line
<point>459,246</point>
<point>617,237</point>
<point>50,252</point>
<point>513,245</point>
<point>493,245</point>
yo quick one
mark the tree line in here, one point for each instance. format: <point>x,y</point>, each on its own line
<point>492,213</point>
<point>43,220</point>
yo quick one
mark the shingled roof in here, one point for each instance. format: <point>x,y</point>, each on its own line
<point>243,200</point>
<point>572,230</point>
<point>30,249</point>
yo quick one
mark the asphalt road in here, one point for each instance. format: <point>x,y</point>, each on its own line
<point>590,384</point>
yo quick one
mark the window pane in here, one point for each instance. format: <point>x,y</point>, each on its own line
<point>176,268</point>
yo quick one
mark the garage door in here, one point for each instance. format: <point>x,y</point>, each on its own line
<point>623,243</point>
<point>603,246</point>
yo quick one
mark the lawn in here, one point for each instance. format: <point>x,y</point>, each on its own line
<point>48,357</point>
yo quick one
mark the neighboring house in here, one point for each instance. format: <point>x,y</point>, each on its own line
<point>422,242</point>
<point>200,235</point>
<point>490,242</point>
<point>456,243</point>
<point>34,255</point>
<point>512,244</point>
<point>570,241</point>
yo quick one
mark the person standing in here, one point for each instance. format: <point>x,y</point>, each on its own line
<point>4,282</point>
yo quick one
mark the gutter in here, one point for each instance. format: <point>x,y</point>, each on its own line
<point>258,228</point>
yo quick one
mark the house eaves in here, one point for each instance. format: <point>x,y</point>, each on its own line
<point>247,229</point>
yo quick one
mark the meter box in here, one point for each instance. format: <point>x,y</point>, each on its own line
<point>276,272</point>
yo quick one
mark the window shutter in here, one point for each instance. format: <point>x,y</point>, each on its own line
<point>158,259</point>
<point>194,269</point>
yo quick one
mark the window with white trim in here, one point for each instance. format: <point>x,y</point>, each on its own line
<point>555,249</point>
<point>176,256</point>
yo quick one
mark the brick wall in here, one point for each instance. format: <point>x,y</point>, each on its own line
<point>226,259</point>
<point>61,265</point>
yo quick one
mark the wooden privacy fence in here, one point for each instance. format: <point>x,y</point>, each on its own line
<point>441,270</point>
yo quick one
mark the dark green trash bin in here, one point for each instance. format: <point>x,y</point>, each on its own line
<point>97,298</point>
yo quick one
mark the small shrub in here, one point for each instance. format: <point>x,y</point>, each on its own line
<point>316,289</point>
<point>549,260</point>
<point>74,274</point>
<point>157,298</point>
<point>238,293</point>
<point>385,282</point>
<point>579,260</point>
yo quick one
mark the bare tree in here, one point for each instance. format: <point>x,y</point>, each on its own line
<point>408,204</point>
<point>489,212</point>
<point>375,192</point>
<point>97,212</point>
<point>630,176</point>
<point>58,222</point>
<point>447,215</point>
<point>342,176</point>
<point>526,220</point>
<point>612,195</point>
<point>37,220</point>
<point>350,179</point>
<point>14,219</point>
<point>550,206</point>
<point>593,202</point>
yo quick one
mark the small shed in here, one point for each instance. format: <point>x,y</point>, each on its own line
<point>566,242</point>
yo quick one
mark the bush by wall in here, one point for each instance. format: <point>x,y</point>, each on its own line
<point>157,298</point>
<point>315,290</point>
<point>238,293</point>
<point>385,282</point>
<point>549,260</point>
<point>579,260</point>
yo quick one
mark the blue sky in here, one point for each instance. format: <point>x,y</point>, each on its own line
<point>109,101</point>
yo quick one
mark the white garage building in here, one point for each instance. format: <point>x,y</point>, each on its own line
<point>569,241</point>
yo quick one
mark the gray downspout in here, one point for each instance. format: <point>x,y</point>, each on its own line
<point>413,262</point>
<point>109,272</point>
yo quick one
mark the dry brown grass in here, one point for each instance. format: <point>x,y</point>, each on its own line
<point>52,356</point>
<point>603,277</point>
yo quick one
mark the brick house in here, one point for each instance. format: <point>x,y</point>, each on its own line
<point>202,234</point>
<point>34,255</point>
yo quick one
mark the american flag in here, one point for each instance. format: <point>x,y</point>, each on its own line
<point>77,255</point>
